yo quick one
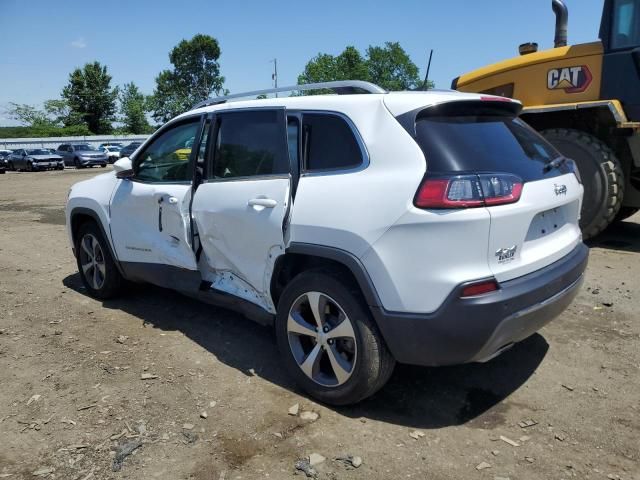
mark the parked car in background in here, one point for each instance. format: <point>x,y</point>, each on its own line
<point>82,155</point>
<point>129,149</point>
<point>109,144</point>
<point>34,159</point>
<point>4,163</point>
<point>112,151</point>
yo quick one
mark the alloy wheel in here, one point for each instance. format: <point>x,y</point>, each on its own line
<point>92,261</point>
<point>322,339</point>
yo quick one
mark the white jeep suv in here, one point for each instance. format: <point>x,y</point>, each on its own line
<point>430,228</point>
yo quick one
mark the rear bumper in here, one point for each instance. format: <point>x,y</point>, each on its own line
<point>476,329</point>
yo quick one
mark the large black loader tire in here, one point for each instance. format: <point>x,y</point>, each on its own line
<point>626,212</point>
<point>602,177</point>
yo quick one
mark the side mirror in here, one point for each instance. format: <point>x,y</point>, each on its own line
<point>123,168</point>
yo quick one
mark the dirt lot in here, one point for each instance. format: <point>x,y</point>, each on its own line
<point>72,392</point>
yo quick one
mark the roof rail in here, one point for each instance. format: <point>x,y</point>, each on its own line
<point>342,87</point>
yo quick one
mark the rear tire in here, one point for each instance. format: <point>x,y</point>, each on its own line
<point>96,266</point>
<point>76,163</point>
<point>359,345</point>
<point>602,177</point>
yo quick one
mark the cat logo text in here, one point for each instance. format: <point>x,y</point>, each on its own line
<point>570,79</point>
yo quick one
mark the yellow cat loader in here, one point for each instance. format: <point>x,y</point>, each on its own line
<point>585,99</point>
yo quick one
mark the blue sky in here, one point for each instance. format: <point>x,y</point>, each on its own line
<point>42,41</point>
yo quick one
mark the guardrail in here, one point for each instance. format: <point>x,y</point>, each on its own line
<point>53,142</point>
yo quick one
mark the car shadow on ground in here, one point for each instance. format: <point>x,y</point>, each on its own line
<point>623,236</point>
<point>416,397</point>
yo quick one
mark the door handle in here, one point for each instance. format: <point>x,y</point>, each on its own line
<point>262,202</point>
<point>171,200</point>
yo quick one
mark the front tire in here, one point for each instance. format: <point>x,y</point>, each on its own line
<point>76,163</point>
<point>97,268</point>
<point>601,173</point>
<point>328,340</point>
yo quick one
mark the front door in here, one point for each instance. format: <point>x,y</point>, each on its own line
<point>241,206</point>
<point>150,222</point>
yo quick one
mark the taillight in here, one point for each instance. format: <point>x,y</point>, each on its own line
<point>479,288</point>
<point>468,191</point>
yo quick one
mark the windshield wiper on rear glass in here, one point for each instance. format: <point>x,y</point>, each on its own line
<point>555,163</point>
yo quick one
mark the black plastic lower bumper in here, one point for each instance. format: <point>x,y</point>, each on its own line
<point>475,329</point>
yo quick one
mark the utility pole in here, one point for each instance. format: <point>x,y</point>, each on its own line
<point>274,75</point>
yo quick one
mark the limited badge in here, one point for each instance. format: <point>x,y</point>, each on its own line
<point>570,79</point>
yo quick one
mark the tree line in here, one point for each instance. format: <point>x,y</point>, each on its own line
<point>89,104</point>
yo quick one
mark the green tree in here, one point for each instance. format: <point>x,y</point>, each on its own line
<point>388,66</point>
<point>195,77</point>
<point>60,113</point>
<point>89,95</point>
<point>40,123</point>
<point>27,115</point>
<point>391,68</point>
<point>133,108</point>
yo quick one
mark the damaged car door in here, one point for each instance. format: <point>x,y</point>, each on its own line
<point>241,205</point>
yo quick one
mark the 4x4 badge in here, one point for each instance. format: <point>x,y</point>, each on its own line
<point>506,254</point>
<point>560,189</point>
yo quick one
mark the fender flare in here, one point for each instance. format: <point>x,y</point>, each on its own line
<point>614,107</point>
<point>345,258</point>
<point>91,213</point>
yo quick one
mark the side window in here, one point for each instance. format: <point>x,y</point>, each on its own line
<point>293,130</point>
<point>166,159</point>
<point>626,24</point>
<point>250,143</point>
<point>329,143</point>
<point>201,159</point>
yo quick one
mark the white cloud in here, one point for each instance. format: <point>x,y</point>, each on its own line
<point>79,43</point>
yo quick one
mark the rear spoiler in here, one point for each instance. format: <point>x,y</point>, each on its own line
<point>488,105</point>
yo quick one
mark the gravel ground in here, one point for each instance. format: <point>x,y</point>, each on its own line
<point>155,385</point>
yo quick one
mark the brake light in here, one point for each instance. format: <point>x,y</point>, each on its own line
<point>469,191</point>
<point>479,288</point>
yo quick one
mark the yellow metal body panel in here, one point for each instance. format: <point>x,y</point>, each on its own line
<point>559,75</point>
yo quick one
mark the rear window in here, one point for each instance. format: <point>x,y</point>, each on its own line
<point>484,143</point>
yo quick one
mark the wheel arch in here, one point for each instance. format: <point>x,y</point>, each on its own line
<point>82,215</point>
<point>303,256</point>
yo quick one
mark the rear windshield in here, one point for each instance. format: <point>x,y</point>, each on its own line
<point>485,143</point>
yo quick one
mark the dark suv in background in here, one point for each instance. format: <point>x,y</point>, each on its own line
<point>129,149</point>
<point>81,155</point>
